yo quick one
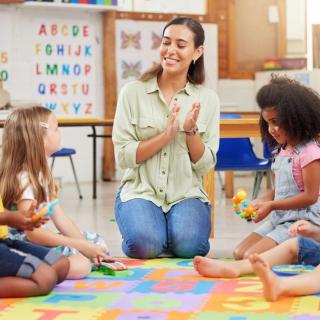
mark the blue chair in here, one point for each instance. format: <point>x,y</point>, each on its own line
<point>67,152</point>
<point>237,154</point>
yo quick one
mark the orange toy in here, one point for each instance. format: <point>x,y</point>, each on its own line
<point>245,211</point>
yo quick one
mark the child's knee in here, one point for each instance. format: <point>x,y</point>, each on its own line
<point>238,253</point>
<point>46,278</point>
<point>61,267</point>
<point>292,245</point>
<point>80,267</point>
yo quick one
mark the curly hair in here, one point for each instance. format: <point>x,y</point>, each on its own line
<point>297,106</point>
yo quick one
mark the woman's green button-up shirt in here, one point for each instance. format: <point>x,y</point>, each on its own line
<point>169,176</point>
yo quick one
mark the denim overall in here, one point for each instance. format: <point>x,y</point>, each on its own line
<point>276,227</point>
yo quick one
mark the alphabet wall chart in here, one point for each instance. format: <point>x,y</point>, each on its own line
<point>64,66</point>
<point>52,59</point>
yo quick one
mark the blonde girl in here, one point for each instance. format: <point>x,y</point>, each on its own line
<point>30,136</point>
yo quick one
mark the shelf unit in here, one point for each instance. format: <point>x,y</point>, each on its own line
<point>60,5</point>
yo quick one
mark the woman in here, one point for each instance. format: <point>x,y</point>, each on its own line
<point>166,134</point>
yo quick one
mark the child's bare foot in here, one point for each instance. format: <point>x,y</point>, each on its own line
<point>215,268</point>
<point>271,282</point>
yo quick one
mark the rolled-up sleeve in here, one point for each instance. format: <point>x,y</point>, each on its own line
<point>211,135</point>
<point>124,136</point>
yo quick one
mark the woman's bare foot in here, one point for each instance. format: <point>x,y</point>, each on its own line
<point>215,268</point>
<point>271,282</point>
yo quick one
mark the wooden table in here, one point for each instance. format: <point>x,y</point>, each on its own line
<point>231,128</point>
<point>93,123</point>
<point>248,126</point>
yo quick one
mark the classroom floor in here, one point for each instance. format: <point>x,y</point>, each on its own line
<point>98,215</point>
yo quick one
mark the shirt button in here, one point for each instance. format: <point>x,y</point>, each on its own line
<point>164,154</point>
<point>163,172</point>
<point>161,190</point>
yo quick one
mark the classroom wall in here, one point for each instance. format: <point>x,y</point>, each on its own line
<point>21,38</point>
<point>165,6</point>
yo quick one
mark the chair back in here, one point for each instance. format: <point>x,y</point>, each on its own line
<point>229,116</point>
<point>267,151</point>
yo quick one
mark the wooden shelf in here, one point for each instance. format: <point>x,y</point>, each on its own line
<point>10,1</point>
<point>68,6</point>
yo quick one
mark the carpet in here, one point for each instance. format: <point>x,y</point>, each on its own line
<point>159,289</point>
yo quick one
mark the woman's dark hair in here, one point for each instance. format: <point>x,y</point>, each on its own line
<point>196,73</point>
<point>297,106</point>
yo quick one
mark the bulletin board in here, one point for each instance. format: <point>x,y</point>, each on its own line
<point>137,49</point>
<point>51,58</point>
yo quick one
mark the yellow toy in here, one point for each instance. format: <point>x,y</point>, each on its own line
<point>245,211</point>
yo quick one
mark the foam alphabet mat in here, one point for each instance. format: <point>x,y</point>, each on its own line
<point>159,289</point>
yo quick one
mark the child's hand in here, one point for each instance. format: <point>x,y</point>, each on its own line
<point>262,209</point>
<point>93,252</point>
<point>303,228</point>
<point>256,202</point>
<point>22,219</point>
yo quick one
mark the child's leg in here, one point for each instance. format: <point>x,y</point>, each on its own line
<point>61,268</point>
<point>28,269</point>
<point>260,246</point>
<point>284,253</point>
<point>80,267</point>
<point>50,256</point>
<point>252,243</point>
<point>42,281</point>
<point>245,244</point>
<point>265,237</point>
<point>274,286</point>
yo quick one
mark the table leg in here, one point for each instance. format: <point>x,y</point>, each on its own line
<point>94,165</point>
<point>208,184</point>
<point>228,184</point>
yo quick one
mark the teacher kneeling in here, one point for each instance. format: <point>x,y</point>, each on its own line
<point>166,134</point>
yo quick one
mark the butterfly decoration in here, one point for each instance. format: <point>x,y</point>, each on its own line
<point>156,40</point>
<point>131,69</point>
<point>130,40</point>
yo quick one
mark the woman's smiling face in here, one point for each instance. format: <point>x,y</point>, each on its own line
<point>177,49</point>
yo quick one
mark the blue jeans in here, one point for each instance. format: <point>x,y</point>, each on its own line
<point>147,231</point>
<point>22,258</point>
<point>308,251</point>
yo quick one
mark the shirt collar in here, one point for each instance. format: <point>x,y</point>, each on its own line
<point>153,86</point>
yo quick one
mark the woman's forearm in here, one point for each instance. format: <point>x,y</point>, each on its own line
<point>195,146</point>
<point>148,148</point>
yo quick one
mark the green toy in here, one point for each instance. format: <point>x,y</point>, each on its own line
<point>114,268</point>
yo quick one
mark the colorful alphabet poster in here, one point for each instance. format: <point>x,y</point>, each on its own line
<point>137,49</point>
<point>64,65</point>
<point>53,58</point>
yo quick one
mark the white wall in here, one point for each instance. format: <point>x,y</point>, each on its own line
<point>237,95</point>
<point>21,84</point>
<point>165,6</point>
